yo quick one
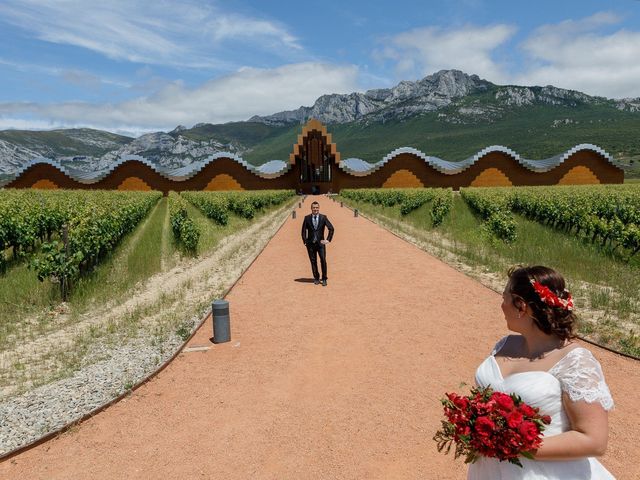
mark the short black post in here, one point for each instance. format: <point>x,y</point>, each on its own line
<point>221,327</point>
<point>355,212</point>
<point>299,204</point>
<point>293,214</point>
<point>341,205</point>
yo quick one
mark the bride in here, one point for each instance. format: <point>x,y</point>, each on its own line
<point>547,369</point>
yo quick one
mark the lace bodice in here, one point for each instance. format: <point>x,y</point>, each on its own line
<point>580,376</point>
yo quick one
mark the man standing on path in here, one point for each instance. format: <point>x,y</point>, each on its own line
<point>313,237</point>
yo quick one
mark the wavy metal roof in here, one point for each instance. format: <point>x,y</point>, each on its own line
<point>276,168</point>
<point>360,168</point>
<point>268,170</point>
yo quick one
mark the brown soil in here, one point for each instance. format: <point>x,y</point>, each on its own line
<point>340,381</point>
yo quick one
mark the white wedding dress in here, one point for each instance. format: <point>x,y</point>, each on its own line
<point>579,375</point>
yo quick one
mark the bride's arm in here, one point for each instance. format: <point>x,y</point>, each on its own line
<point>586,400</point>
<point>588,435</point>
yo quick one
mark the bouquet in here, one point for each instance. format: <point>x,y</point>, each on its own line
<point>490,424</point>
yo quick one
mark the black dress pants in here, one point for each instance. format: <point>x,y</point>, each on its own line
<point>315,249</point>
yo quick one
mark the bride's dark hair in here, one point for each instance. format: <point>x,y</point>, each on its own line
<point>552,320</point>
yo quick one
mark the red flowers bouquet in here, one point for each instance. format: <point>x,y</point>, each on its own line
<point>490,424</point>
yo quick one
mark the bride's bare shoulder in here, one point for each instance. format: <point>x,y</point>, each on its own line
<point>510,346</point>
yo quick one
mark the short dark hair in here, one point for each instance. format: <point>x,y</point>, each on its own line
<point>314,203</point>
<point>557,321</point>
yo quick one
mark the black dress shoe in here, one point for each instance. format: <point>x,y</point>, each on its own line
<point>324,283</point>
<point>317,282</point>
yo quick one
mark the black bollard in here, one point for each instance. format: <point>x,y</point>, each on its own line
<point>293,214</point>
<point>299,204</point>
<point>355,212</point>
<point>221,328</point>
<point>341,205</point>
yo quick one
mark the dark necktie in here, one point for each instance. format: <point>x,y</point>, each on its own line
<point>314,220</point>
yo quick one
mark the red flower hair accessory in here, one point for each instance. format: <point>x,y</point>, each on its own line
<point>550,298</point>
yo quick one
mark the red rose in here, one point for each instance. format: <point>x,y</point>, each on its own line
<point>527,411</point>
<point>461,402</point>
<point>514,419</point>
<point>463,430</point>
<point>546,419</point>
<point>484,426</point>
<point>484,408</point>
<point>529,431</point>
<point>504,401</point>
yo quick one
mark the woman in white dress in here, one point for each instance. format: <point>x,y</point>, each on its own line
<point>547,369</point>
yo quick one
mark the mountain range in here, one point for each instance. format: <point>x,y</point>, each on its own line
<point>449,114</point>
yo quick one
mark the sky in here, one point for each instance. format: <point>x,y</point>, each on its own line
<point>133,67</point>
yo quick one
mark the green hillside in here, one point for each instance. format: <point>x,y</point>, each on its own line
<point>81,141</point>
<point>535,132</point>
<point>247,134</point>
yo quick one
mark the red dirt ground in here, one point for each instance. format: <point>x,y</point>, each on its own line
<point>336,382</point>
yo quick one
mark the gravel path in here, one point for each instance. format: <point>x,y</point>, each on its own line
<point>341,381</point>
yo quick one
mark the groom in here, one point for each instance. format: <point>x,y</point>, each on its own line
<point>313,237</point>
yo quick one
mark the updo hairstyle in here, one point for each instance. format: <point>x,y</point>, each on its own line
<point>552,320</point>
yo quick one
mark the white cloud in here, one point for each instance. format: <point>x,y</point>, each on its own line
<point>176,33</point>
<point>248,92</point>
<point>74,76</point>
<point>426,50</point>
<point>589,54</point>
<point>576,55</point>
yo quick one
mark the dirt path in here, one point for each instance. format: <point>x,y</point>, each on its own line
<point>335,382</point>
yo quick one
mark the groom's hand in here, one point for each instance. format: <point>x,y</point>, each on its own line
<point>324,242</point>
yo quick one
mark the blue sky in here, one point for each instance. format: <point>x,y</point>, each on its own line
<point>139,66</point>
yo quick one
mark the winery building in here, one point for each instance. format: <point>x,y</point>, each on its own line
<point>315,166</point>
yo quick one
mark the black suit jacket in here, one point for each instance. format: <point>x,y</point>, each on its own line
<point>308,231</point>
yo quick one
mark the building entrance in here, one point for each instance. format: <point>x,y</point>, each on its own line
<point>316,161</point>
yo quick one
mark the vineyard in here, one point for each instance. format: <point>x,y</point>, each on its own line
<point>65,234</point>
<point>607,215</point>
<point>409,199</point>
<point>217,206</point>
<point>590,233</point>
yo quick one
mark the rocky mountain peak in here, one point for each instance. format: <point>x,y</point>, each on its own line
<point>406,98</point>
<point>454,83</point>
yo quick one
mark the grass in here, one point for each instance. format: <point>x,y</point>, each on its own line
<point>137,258</point>
<point>605,287</point>
<point>22,295</point>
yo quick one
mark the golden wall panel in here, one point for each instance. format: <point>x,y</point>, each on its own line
<point>491,177</point>
<point>402,178</point>
<point>45,184</point>
<point>134,183</point>
<point>223,181</point>
<point>579,175</point>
